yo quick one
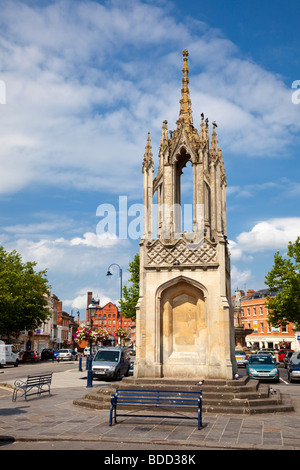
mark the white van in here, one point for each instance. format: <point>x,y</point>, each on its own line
<point>8,355</point>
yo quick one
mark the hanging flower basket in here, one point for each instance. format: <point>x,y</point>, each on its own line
<point>92,335</point>
<point>121,333</point>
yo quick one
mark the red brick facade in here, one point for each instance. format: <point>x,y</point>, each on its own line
<point>255,316</point>
<point>109,317</point>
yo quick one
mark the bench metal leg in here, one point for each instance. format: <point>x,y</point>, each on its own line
<point>113,414</point>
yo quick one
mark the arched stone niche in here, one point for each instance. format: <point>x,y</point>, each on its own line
<point>182,328</point>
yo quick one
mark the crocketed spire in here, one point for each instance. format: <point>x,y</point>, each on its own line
<point>185,102</point>
<point>148,156</point>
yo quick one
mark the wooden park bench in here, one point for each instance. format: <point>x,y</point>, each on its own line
<point>176,400</point>
<point>34,385</point>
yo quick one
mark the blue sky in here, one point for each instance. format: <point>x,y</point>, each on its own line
<point>84,83</point>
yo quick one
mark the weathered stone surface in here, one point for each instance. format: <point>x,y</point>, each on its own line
<point>184,315</point>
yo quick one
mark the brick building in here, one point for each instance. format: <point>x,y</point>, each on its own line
<point>255,317</point>
<point>66,327</point>
<point>109,318</point>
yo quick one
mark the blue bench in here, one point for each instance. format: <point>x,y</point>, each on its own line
<point>178,400</point>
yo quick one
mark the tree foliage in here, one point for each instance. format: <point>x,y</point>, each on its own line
<point>284,281</point>
<point>23,294</point>
<point>131,294</point>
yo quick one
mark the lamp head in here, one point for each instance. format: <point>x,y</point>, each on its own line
<point>92,309</point>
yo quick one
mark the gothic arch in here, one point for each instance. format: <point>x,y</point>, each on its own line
<point>176,280</point>
<point>181,320</point>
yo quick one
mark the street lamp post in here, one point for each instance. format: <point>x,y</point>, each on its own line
<point>92,310</point>
<point>109,273</point>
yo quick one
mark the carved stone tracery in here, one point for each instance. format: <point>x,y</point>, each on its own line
<point>182,253</point>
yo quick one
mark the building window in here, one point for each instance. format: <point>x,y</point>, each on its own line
<point>284,329</point>
<point>261,310</point>
<point>248,311</point>
<point>262,327</point>
<point>254,311</point>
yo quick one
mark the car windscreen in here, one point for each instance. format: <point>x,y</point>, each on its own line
<point>63,350</point>
<point>240,353</point>
<point>107,356</point>
<point>295,359</point>
<point>261,360</point>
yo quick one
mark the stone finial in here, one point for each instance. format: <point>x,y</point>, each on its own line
<point>148,155</point>
<point>214,140</point>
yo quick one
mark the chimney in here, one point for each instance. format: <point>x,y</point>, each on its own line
<point>250,292</point>
<point>89,298</point>
<point>59,306</point>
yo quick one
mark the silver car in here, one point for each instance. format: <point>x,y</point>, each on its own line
<point>67,355</point>
<point>111,363</point>
<point>241,358</point>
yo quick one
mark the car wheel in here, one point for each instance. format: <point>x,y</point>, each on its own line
<point>118,375</point>
<point>16,363</point>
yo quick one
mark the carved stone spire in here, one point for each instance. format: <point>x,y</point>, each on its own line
<point>148,156</point>
<point>204,139</point>
<point>214,139</point>
<point>185,114</point>
<point>163,142</point>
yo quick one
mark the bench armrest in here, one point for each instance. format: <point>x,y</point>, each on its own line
<point>19,383</point>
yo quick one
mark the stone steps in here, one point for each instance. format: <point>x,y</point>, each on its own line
<point>229,396</point>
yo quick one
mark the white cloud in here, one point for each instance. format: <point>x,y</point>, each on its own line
<point>79,105</point>
<point>239,278</point>
<point>80,301</point>
<point>237,253</point>
<point>70,256</point>
<point>95,240</point>
<point>269,235</point>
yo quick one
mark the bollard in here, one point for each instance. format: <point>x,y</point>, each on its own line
<point>89,373</point>
<point>80,363</point>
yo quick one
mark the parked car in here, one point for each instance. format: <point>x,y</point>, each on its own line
<point>268,351</point>
<point>30,356</point>
<point>47,354</point>
<point>67,355</point>
<point>294,367</point>
<point>262,366</point>
<point>241,358</point>
<point>55,353</point>
<point>8,355</point>
<point>282,353</point>
<point>111,363</point>
<point>287,358</point>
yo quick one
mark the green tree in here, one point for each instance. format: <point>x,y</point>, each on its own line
<point>131,294</point>
<point>284,281</point>
<point>23,294</point>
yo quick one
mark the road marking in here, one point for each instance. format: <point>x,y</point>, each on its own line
<point>287,383</point>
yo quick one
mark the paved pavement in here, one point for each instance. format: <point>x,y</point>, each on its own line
<point>55,419</point>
